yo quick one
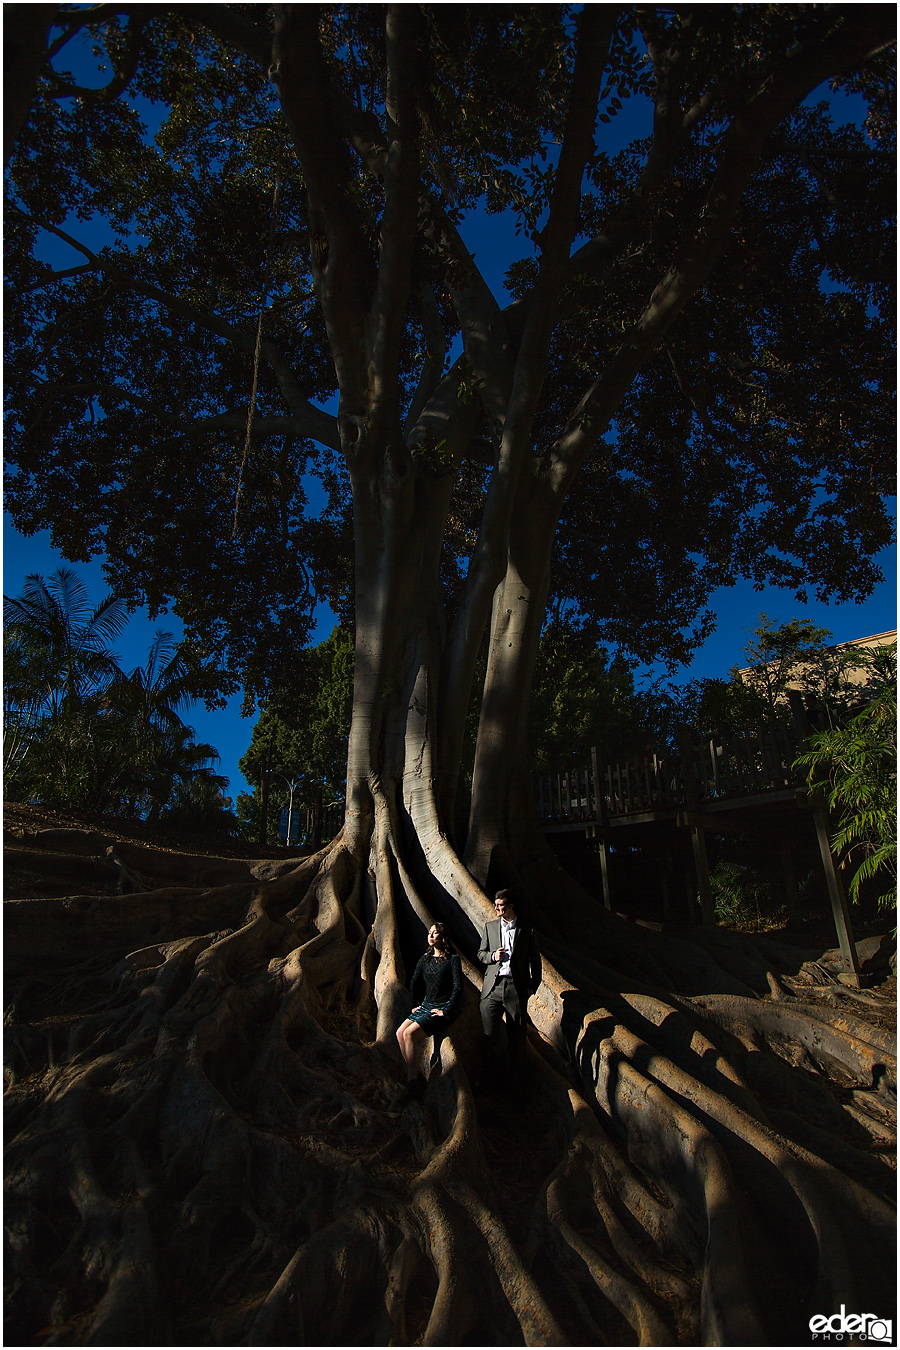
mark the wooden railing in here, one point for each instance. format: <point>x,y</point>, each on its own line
<point>754,761</point>
<point>696,785</point>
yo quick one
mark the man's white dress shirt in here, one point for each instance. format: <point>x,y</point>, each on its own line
<point>507,940</point>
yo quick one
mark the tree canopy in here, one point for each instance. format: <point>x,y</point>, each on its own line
<point>755,438</point>
<point>308,736</point>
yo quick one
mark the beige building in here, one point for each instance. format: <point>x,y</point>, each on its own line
<point>850,675</point>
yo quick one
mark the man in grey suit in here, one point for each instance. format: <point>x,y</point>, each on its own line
<point>509,950</point>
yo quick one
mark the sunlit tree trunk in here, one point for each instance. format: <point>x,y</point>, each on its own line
<point>499,822</point>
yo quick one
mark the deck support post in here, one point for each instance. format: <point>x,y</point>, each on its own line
<point>600,817</point>
<point>698,836</point>
<point>604,871</point>
<point>701,863</point>
<point>664,870</point>
<point>838,898</point>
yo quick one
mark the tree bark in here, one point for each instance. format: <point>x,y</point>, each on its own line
<point>25,32</point>
<point>205,1124</point>
<point>499,822</point>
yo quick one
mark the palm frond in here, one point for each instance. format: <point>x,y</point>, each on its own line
<point>855,768</point>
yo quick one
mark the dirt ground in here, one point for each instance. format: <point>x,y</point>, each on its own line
<point>28,867</point>
<point>519,1136</point>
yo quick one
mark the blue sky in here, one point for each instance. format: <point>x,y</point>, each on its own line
<point>495,244</point>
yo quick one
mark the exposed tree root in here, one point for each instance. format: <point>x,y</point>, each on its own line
<point>205,1143</point>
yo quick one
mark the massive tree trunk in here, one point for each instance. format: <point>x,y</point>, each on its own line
<point>206,1137</point>
<point>502,821</point>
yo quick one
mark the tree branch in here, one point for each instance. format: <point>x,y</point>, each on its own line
<point>670,127</point>
<point>484,333</point>
<point>342,264</point>
<point>858,35</point>
<point>698,111</point>
<point>319,425</point>
<point>230,27</point>
<point>447,420</point>
<point>25,32</point>
<point>60,88</point>
<point>489,557</point>
<point>480,318</point>
<point>61,276</point>
<point>398,226</point>
<point>221,20</point>
<point>435,351</point>
<point>228,421</point>
<point>596,25</point>
<point>687,390</point>
<point>71,22</point>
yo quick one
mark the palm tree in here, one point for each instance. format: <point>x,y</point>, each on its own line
<point>63,643</point>
<point>22,710</point>
<point>152,694</point>
<point>58,658</point>
<point>76,727</point>
<point>145,706</point>
<point>177,761</point>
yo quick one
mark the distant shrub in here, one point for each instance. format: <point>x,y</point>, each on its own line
<point>744,899</point>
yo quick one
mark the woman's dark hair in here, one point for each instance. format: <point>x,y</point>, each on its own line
<point>443,942</point>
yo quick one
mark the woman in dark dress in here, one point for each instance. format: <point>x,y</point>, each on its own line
<point>439,975</point>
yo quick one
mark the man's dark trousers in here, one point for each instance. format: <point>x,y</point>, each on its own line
<point>508,993</point>
<point>502,998</point>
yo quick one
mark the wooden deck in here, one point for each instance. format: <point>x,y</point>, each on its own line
<point>745,769</point>
<point>722,787</point>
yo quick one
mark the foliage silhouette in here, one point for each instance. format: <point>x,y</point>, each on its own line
<point>77,729</point>
<point>855,767</point>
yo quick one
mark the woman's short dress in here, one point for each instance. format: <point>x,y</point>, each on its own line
<point>441,980</point>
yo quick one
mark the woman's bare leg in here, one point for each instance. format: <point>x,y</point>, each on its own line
<point>410,1037</point>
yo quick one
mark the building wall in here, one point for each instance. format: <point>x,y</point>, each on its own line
<point>852,676</point>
